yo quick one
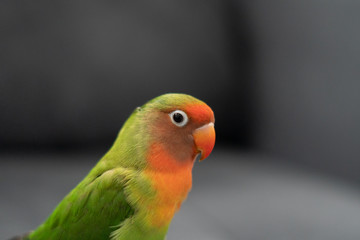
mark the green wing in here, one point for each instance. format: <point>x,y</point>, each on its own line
<point>95,208</point>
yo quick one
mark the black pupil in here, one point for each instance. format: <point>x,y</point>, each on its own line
<point>178,117</point>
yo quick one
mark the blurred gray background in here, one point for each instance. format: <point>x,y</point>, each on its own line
<point>283,79</point>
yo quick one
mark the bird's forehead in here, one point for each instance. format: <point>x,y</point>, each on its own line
<point>199,112</point>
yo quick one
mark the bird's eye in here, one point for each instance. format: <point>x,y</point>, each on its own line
<point>179,118</point>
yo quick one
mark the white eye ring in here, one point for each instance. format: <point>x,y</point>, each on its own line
<point>179,118</point>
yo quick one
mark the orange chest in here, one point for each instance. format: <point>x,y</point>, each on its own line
<point>171,189</point>
<point>170,178</point>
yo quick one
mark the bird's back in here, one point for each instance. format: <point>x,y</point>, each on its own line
<point>91,211</point>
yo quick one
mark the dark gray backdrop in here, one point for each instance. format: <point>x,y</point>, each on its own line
<point>282,78</point>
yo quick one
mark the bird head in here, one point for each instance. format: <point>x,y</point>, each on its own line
<point>180,125</point>
<point>166,132</point>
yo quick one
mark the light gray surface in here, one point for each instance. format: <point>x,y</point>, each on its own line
<point>234,196</point>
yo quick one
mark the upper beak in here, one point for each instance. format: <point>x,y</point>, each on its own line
<point>204,138</point>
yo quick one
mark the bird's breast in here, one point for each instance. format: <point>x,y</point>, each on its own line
<point>170,180</point>
<point>171,189</point>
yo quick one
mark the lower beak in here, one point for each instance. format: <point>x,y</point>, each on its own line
<point>204,138</point>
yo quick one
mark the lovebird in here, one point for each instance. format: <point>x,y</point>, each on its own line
<point>135,189</point>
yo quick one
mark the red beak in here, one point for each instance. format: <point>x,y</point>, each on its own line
<point>204,138</point>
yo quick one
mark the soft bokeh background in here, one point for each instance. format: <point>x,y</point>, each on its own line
<point>283,79</point>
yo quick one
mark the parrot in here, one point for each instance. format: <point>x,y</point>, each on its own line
<point>134,190</point>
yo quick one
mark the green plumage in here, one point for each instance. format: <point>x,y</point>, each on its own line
<point>81,214</point>
<point>97,206</point>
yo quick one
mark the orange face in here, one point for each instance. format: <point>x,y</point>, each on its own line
<point>181,133</point>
